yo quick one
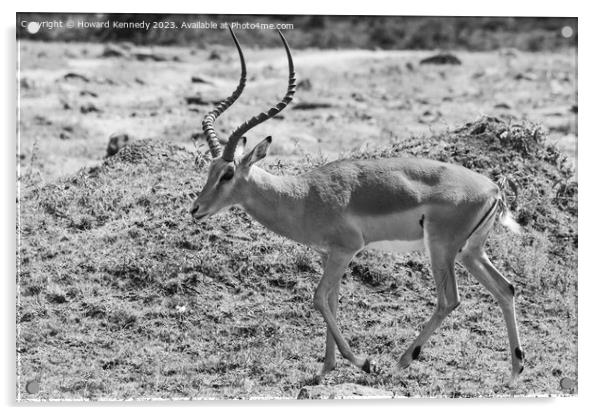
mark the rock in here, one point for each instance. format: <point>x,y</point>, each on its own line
<point>41,120</point>
<point>147,55</point>
<point>200,80</point>
<point>127,45</point>
<point>88,93</point>
<point>215,56</point>
<point>26,83</point>
<point>553,111</point>
<point>429,116</point>
<point>441,59</point>
<point>358,97</point>
<point>304,84</point>
<point>311,105</point>
<point>73,75</point>
<point>478,74</point>
<point>527,76</point>
<point>113,51</point>
<point>196,100</point>
<point>88,108</point>
<point>65,104</point>
<point>343,391</point>
<point>116,142</point>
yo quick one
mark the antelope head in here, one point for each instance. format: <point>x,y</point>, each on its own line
<point>228,171</point>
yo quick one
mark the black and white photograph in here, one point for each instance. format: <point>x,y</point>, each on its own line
<point>304,206</point>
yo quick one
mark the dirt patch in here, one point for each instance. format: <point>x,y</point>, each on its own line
<point>347,98</point>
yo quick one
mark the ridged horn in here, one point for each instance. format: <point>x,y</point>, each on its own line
<point>230,148</point>
<point>208,128</point>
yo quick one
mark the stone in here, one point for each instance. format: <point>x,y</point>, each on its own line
<point>343,391</point>
<point>116,142</point>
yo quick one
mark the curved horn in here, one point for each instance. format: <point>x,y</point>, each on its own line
<point>264,116</point>
<point>208,129</point>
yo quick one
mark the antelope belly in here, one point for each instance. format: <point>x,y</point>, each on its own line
<point>397,246</point>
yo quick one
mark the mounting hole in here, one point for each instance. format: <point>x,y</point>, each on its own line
<point>33,386</point>
<point>567,32</point>
<point>33,27</point>
<point>567,384</point>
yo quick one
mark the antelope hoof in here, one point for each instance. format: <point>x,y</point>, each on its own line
<point>513,380</point>
<point>366,366</point>
<point>370,367</point>
<point>514,376</point>
<point>326,369</point>
<point>403,363</point>
<point>407,357</point>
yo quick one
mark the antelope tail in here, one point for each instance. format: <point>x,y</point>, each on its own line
<point>505,216</point>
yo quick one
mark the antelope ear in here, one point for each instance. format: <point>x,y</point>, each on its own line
<point>259,152</point>
<point>240,148</point>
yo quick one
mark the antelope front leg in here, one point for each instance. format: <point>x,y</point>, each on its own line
<point>333,272</point>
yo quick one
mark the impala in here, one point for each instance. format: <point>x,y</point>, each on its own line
<point>343,207</point>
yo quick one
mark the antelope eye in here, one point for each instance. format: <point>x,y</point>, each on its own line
<point>227,175</point>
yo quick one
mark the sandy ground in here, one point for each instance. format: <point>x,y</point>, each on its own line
<point>367,97</point>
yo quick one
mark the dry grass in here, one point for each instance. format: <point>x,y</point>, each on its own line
<point>121,295</point>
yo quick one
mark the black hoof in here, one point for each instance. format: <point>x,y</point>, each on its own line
<point>416,352</point>
<point>519,353</point>
<point>366,366</point>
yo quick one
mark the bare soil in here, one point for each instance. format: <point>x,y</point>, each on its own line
<point>370,97</point>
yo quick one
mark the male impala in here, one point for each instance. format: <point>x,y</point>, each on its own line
<point>345,206</point>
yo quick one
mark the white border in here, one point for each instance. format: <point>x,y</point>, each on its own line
<point>589,152</point>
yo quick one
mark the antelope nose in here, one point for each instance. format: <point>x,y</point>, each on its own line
<point>194,210</point>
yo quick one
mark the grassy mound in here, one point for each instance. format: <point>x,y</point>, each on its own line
<point>545,187</point>
<point>121,295</point>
